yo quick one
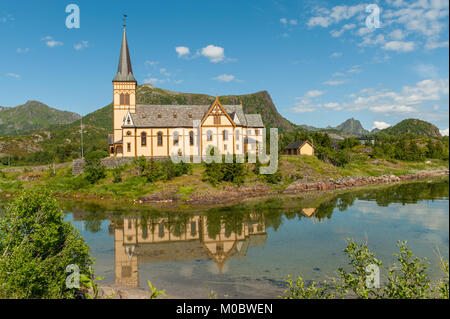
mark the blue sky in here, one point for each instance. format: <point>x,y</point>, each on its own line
<point>318,59</point>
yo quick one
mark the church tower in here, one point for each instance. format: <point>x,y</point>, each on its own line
<point>124,89</point>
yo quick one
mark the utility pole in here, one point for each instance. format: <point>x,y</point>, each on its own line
<point>82,150</point>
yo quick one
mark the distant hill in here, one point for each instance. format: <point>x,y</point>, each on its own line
<point>32,116</point>
<point>352,126</point>
<point>413,126</point>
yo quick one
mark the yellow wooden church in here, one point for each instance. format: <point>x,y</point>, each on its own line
<point>163,130</point>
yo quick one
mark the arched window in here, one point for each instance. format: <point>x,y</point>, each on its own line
<point>237,135</point>
<point>161,230</point>
<point>124,99</point>
<point>144,139</point>
<point>160,138</point>
<point>175,138</point>
<point>193,229</point>
<point>128,133</point>
<point>209,135</point>
<point>225,135</point>
<point>191,138</point>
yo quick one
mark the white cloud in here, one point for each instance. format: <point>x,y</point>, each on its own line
<point>80,46</point>
<point>380,125</point>
<point>336,54</point>
<point>213,53</point>
<point>426,70</point>
<point>163,71</point>
<point>25,50</point>
<point>225,78</point>
<point>50,42</point>
<point>13,75</point>
<point>156,80</point>
<point>283,20</point>
<point>337,14</point>
<point>336,74</point>
<point>151,63</point>
<point>178,81</point>
<point>409,100</point>
<point>293,22</point>
<point>415,22</point>
<point>338,33</point>
<point>399,46</point>
<point>444,132</point>
<point>335,82</point>
<point>397,34</point>
<point>303,109</point>
<point>313,94</point>
<point>355,69</point>
<point>182,51</point>
<point>331,105</point>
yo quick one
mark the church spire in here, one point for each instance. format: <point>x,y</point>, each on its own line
<point>124,70</point>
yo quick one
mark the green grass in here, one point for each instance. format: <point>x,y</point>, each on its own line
<point>132,186</point>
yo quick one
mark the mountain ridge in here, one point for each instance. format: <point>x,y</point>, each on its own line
<point>32,116</point>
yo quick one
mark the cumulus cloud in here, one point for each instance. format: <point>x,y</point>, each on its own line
<point>225,78</point>
<point>50,42</point>
<point>313,93</point>
<point>406,25</point>
<point>213,53</point>
<point>182,51</point>
<point>399,46</point>
<point>335,82</point>
<point>336,54</point>
<point>380,125</point>
<point>408,100</point>
<point>444,132</point>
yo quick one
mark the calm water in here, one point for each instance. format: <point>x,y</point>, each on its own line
<point>248,250</point>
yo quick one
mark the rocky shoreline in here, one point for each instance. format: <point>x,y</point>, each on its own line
<point>233,194</point>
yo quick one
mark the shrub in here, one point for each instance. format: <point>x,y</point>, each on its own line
<point>224,172</point>
<point>411,280</point>
<point>94,169</point>
<point>153,171</point>
<point>36,246</point>
<point>117,174</point>
<point>141,164</point>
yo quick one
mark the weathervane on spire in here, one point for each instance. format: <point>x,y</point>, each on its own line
<point>124,19</point>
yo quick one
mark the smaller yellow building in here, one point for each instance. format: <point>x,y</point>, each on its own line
<point>299,148</point>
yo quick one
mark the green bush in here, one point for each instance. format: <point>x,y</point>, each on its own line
<point>36,246</point>
<point>408,280</point>
<point>224,172</point>
<point>94,170</point>
<point>117,174</point>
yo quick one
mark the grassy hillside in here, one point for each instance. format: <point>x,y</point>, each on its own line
<point>32,116</point>
<point>413,126</point>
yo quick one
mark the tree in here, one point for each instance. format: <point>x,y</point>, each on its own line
<point>36,246</point>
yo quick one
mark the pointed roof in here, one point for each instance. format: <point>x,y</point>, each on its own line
<point>124,70</point>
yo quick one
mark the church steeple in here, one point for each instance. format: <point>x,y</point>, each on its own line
<point>124,70</point>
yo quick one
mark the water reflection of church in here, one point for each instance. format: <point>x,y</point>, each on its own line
<point>139,241</point>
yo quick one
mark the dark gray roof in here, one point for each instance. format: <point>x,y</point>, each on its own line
<point>254,120</point>
<point>295,145</point>
<point>147,115</point>
<point>110,139</point>
<point>124,70</point>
